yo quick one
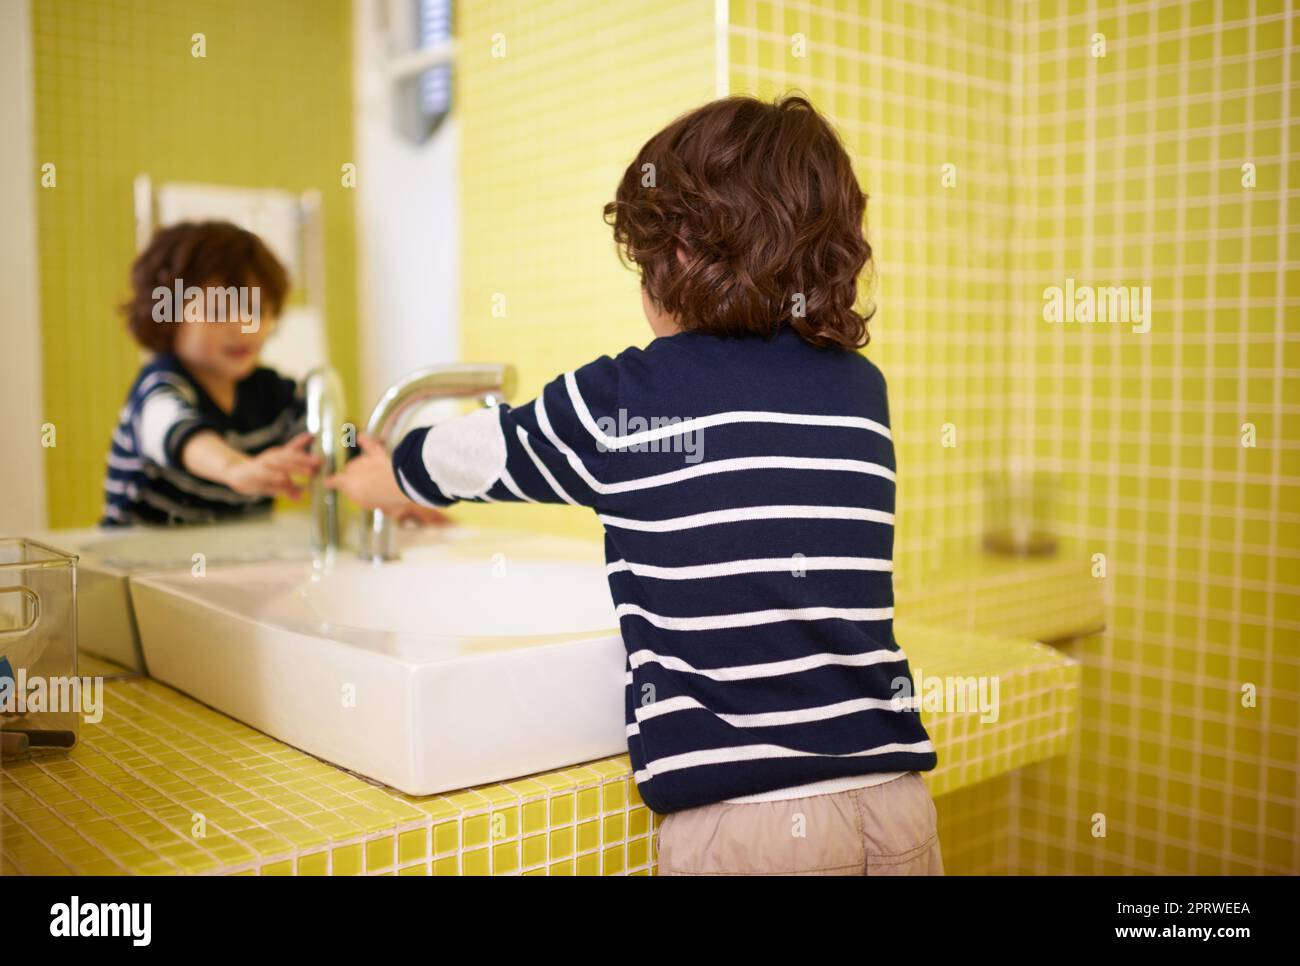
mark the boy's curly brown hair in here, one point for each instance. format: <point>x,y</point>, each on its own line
<point>738,208</point>
<point>199,253</point>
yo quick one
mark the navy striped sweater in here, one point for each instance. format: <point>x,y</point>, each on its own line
<point>746,487</point>
<point>145,481</point>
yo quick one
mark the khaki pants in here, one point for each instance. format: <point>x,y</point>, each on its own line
<point>887,829</point>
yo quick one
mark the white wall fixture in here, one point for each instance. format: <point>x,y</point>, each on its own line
<point>407,217</point>
<point>420,66</point>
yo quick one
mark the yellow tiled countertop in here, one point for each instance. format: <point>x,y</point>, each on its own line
<point>163,784</point>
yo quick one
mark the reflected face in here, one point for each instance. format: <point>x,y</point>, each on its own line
<point>222,349</point>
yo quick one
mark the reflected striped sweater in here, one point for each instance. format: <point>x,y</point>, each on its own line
<point>145,481</point>
<point>746,487</point>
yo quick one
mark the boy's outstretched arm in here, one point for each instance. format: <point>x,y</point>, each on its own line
<point>547,451</point>
<point>269,473</point>
<point>173,433</point>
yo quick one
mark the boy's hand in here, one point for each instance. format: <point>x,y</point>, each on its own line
<point>271,472</point>
<point>368,479</point>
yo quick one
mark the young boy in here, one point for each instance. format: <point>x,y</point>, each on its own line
<point>743,469</point>
<point>206,434</point>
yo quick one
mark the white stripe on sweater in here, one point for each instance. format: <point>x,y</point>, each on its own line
<point>117,514</point>
<point>411,492</point>
<point>704,422</point>
<point>747,513</point>
<point>541,468</point>
<point>125,463</point>
<point>161,378</point>
<point>772,719</point>
<point>733,465</point>
<point>513,487</point>
<point>753,618</point>
<point>728,568</point>
<point>272,433</point>
<point>770,669</point>
<point>720,756</point>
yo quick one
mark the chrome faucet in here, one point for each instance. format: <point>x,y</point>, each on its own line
<point>490,384</point>
<point>324,393</point>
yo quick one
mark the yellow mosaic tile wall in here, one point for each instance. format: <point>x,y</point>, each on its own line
<point>1131,175</point>
<point>913,87</point>
<point>554,99</point>
<point>117,94</point>
<point>1116,170</point>
<point>1127,170</point>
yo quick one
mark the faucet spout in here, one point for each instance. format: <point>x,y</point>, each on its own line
<point>490,384</point>
<point>324,394</point>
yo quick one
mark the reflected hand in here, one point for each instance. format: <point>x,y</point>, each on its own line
<point>368,479</point>
<point>272,471</point>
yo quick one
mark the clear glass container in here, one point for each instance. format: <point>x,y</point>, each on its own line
<point>1019,506</point>
<point>40,692</point>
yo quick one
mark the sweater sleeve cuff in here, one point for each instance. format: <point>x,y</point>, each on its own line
<point>179,435</point>
<point>411,474</point>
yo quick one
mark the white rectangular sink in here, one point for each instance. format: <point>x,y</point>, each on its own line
<point>479,656</point>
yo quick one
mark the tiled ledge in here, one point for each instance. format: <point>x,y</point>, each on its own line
<point>1037,701</point>
<point>130,796</point>
<point>1039,598</point>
